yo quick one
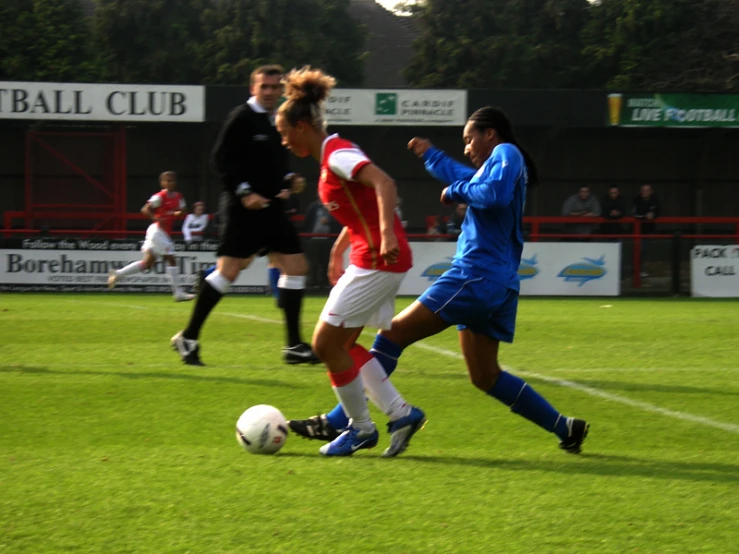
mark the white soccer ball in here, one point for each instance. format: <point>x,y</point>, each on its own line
<point>261,429</point>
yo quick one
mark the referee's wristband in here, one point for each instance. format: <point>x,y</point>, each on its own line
<point>243,189</point>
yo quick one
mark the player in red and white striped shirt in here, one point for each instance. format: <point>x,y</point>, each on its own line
<point>163,208</point>
<point>362,197</point>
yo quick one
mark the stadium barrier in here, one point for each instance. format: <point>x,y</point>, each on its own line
<point>678,237</point>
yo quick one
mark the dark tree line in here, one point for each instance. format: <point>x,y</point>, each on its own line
<point>685,45</point>
<point>175,41</point>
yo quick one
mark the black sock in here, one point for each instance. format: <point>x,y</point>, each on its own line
<point>206,301</point>
<point>292,302</point>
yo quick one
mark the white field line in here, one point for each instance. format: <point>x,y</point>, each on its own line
<point>683,416</point>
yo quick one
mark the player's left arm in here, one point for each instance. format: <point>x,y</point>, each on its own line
<point>495,185</point>
<point>386,191</point>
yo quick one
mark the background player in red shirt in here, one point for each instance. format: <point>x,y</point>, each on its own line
<point>361,197</point>
<point>162,208</point>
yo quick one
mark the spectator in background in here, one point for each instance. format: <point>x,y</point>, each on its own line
<point>195,224</point>
<point>438,227</point>
<point>646,208</point>
<point>398,204</point>
<point>614,208</point>
<point>582,204</point>
<point>319,221</point>
<point>454,226</point>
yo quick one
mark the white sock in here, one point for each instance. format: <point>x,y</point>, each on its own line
<point>134,267</point>
<point>382,392</point>
<point>172,276</point>
<point>352,399</point>
<point>218,282</point>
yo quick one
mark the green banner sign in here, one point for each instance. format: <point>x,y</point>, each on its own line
<point>673,110</point>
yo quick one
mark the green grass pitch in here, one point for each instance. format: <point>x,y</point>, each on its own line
<point>108,444</point>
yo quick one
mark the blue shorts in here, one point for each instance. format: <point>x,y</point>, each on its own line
<point>476,303</point>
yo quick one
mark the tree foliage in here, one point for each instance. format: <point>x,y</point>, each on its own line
<point>498,43</point>
<point>47,40</point>
<point>663,44</point>
<point>176,41</point>
<point>627,44</point>
<point>151,41</point>
<point>244,34</point>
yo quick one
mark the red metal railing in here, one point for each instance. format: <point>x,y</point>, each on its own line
<point>534,225</point>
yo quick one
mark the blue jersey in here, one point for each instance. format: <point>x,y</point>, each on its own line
<point>491,241</point>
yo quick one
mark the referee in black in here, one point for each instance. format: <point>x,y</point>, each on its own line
<point>253,164</point>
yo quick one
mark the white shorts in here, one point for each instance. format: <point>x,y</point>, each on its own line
<point>362,297</point>
<point>158,242</point>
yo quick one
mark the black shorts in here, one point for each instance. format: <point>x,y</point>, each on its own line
<point>244,233</point>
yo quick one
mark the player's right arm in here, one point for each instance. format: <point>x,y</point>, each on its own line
<point>439,164</point>
<point>148,211</point>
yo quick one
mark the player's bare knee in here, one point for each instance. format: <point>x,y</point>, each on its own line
<point>485,378</point>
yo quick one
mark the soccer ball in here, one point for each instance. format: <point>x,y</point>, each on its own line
<point>261,429</point>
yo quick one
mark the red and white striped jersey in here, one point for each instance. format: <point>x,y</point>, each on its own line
<point>165,204</point>
<point>354,205</point>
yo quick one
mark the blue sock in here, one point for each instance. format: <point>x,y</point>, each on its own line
<point>522,399</point>
<point>209,270</point>
<point>387,353</point>
<point>337,418</point>
<point>274,276</point>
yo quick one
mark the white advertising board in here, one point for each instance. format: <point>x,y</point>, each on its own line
<point>397,107</point>
<point>91,102</point>
<point>547,268</point>
<point>713,271</point>
<point>76,265</point>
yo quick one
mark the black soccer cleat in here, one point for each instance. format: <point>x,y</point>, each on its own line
<point>300,354</point>
<point>188,349</point>
<point>578,431</point>
<point>315,428</point>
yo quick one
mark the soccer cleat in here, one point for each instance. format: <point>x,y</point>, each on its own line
<point>402,430</point>
<point>299,354</point>
<point>112,278</point>
<point>183,296</point>
<point>316,427</point>
<point>188,349</point>
<point>350,441</point>
<point>577,430</point>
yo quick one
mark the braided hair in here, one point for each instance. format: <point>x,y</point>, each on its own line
<point>493,118</point>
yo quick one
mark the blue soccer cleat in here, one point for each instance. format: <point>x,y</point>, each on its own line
<point>402,430</point>
<point>350,441</point>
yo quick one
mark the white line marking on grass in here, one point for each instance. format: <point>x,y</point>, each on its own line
<point>684,416</point>
<point>606,395</point>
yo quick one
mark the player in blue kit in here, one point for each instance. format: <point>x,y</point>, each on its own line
<point>479,294</point>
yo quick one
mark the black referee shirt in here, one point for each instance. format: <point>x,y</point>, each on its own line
<point>249,150</point>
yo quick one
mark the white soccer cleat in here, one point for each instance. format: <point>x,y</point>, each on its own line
<point>183,296</point>
<point>112,278</point>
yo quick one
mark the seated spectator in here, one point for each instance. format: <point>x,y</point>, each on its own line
<point>398,204</point>
<point>646,208</point>
<point>454,225</point>
<point>437,228</point>
<point>581,204</point>
<point>195,224</point>
<point>614,208</point>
